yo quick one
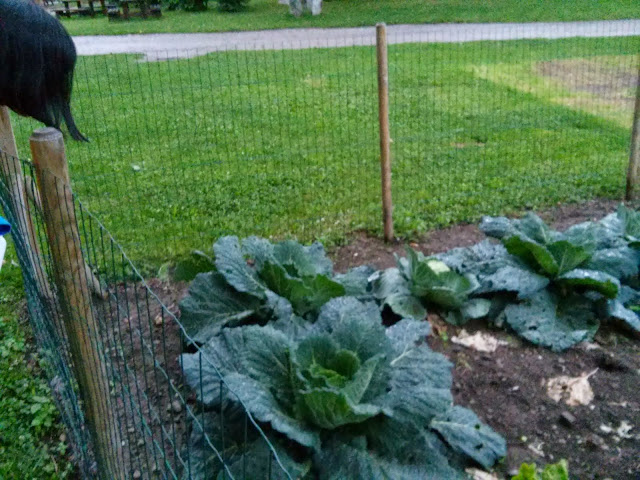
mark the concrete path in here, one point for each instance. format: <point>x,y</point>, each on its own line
<point>165,46</point>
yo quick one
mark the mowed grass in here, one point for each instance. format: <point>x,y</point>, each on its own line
<point>285,143</point>
<point>268,14</point>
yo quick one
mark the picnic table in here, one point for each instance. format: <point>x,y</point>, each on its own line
<point>79,7</point>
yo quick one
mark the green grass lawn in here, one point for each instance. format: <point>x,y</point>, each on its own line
<point>285,143</point>
<point>267,14</point>
<point>30,442</point>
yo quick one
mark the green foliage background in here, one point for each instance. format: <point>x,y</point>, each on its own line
<point>31,441</point>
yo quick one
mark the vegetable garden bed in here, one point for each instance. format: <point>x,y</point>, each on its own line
<point>505,388</point>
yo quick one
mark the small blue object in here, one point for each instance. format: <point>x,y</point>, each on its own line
<point>5,227</point>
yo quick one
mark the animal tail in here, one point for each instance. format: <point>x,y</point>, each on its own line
<point>71,124</point>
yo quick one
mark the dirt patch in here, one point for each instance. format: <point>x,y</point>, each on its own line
<point>366,249</point>
<point>507,390</point>
<point>144,344</point>
<point>613,84</point>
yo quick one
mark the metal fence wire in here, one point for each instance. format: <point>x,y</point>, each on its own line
<point>135,338</point>
<point>278,140</point>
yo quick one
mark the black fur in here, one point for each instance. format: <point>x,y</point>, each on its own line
<point>37,59</point>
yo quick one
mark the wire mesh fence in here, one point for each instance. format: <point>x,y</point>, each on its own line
<point>492,127</point>
<point>281,140</point>
<point>269,144</point>
<point>125,344</point>
<point>29,237</point>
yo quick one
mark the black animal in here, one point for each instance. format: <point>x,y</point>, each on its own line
<point>37,59</point>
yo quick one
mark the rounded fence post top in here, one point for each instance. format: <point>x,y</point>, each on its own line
<point>380,24</point>
<point>46,134</point>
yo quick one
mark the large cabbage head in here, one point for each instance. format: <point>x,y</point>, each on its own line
<point>359,400</point>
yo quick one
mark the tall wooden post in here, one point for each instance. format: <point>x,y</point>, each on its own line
<point>17,185</point>
<point>385,139</point>
<point>47,149</point>
<point>634,152</point>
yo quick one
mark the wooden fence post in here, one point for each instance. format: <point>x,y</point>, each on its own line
<point>47,148</point>
<point>385,139</point>
<point>634,153</point>
<point>18,185</point>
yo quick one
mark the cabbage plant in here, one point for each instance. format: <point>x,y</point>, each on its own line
<point>578,257</point>
<point>623,227</point>
<point>420,282</point>
<point>344,398</point>
<point>255,282</point>
<point>552,287</point>
<point>624,224</point>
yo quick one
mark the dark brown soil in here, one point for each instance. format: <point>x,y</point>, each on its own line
<point>506,388</point>
<point>144,343</point>
<point>365,249</point>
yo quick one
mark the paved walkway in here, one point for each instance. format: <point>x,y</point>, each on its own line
<point>164,45</point>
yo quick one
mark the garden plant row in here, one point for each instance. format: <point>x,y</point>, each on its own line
<point>335,367</point>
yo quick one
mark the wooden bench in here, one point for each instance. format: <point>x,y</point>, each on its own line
<point>122,11</point>
<point>79,7</point>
